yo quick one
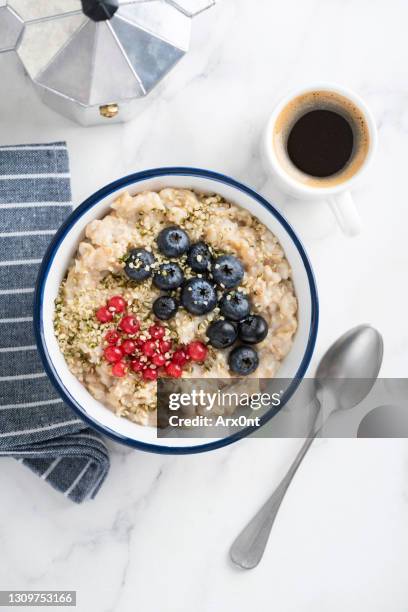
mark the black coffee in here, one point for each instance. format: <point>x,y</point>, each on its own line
<point>320,143</point>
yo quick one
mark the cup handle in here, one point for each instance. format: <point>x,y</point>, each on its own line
<point>345,211</point>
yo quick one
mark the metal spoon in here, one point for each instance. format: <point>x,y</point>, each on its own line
<point>357,354</point>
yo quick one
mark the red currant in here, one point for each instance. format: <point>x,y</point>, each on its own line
<point>117,303</point>
<point>129,324</point>
<point>104,315</point>
<point>150,374</point>
<point>119,369</point>
<point>128,347</point>
<point>158,359</point>
<point>149,348</point>
<point>136,365</point>
<point>113,354</point>
<point>197,351</point>
<point>180,357</point>
<point>112,336</point>
<point>157,331</point>
<point>174,370</point>
<point>164,346</point>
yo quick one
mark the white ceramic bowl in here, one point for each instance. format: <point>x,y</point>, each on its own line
<point>64,246</point>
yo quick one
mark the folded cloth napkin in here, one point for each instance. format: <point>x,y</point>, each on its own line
<point>36,427</point>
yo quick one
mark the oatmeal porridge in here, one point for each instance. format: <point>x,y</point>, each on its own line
<point>178,284</point>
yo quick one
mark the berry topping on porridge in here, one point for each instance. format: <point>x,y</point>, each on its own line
<point>116,304</point>
<point>197,351</point>
<point>227,271</point>
<point>168,276</point>
<point>173,241</point>
<point>199,296</point>
<point>222,333</point>
<point>199,257</point>
<point>129,324</point>
<point>104,315</point>
<point>173,284</point>
<point>132,349</point>
<point>253,329</point>
<point>243,360</point>
<point>235,305</point>
<point>165,307</point>
<point>139,264</point>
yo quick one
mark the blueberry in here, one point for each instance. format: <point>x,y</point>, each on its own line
<point>235,305</point>
<point>168,276</point>
<point>173,241</point>
<point>199,257</point>
<point>253,329</point>
<point>165,307</point>
<point>228,271</point>
<point>222,333</point>
<point>243,360</point>
<point>199,296</point>
<point>138,264</point>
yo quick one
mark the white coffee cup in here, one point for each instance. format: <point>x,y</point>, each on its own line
<point>335,189</point>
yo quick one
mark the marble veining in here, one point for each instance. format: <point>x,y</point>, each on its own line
<point>156,538</point>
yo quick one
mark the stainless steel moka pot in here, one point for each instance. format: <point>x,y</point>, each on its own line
<point>91,60</point>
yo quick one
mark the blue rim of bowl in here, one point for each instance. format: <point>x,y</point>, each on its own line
<point>49,258</point>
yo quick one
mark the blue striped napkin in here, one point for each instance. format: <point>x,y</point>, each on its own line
<point>36,427</point>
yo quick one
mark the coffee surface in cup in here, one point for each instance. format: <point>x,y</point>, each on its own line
<point>321,138</point>
<point>320,143</point>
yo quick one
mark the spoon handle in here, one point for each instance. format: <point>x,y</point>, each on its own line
<point>248,548</point>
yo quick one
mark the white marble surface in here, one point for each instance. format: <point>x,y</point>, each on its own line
<point>156,537</point>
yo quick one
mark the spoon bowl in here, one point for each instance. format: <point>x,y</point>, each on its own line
<point>349,369</point>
